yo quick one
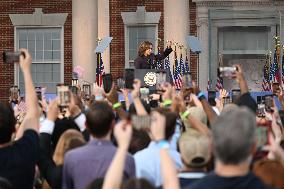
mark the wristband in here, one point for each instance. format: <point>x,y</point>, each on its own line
<point>167,103</point>
<point>116,105</point>
<point>163,144</point>
<point>184,115</point>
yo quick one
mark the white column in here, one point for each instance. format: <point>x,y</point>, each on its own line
<point>176,22</point>
<point>203,68</point>
<point>84,35</point>
<point>103,29</point>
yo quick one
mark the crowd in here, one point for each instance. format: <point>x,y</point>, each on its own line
<point>182,142</point>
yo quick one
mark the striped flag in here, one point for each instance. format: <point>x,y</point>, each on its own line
<point>177,76</point>
<point>265,85</point>
<point>187,68</point>
<point>282,70</point>
<point>167,66</point>
<point>181,64</point>
<point>159,62</point>
<point>219,84</point>
<point>100,70</point>
<point>274,69</point>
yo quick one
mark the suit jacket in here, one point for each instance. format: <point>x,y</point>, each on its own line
<point>150,62</point>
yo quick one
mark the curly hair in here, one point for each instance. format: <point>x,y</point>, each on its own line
<point>145,45</point>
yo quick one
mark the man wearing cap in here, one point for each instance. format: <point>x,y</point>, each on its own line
<point>234,143</point>
<point>195,153</point>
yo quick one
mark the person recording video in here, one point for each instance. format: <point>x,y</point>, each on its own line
<point>146,59</point>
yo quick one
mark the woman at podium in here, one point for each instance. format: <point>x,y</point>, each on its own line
<point>146,59</point>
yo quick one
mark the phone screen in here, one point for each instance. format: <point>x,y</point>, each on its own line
<point>211,98</point>
<point>275,88</point>
<point>236,93</point>
<point>141,122</point>
<point>107,82</point>
<point>268,101</point>
<point>129,78</point>
<point>262,133</point>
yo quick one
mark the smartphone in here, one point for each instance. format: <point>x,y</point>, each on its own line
<point>144,91</point>
<point>129,78</point>
<point>63,95</point>
<point>14,92</point>
<point>260,110</point>
<point>120,83</point>
<point>73,89</point>
<point>87,89</point>
<point>38,93</point>
<point>275,88</point>
<point>11,56</point>
<point>258,99</point>
<point>262,134</point>
<point>226,71</point>
<point>268,101</point>
<point>236,93</point>
<point>187,81</point>
<point>226,100</point>
<point>161,79</point>
<point>107,82</point>
<point>211,98</point>
<point>141,122</point>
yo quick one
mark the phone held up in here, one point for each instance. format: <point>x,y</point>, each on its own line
<point>10,57</point>
<point>107,82</point>
<point>129,78</point>
<point>227,71</point>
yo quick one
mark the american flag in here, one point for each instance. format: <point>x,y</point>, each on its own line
<point>22,107</point>
<point>282,68</point>
<point>187,68</point>
<point>181,64</point>
<point>100,70</point>
<point>265,85</point>
<point>177,76</point>
<point>274,69</point>
<point>219,84</point>
<point>159,62</point>
<point>167,66</point>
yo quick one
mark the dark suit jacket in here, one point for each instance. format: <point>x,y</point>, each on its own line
<point>150,62</point>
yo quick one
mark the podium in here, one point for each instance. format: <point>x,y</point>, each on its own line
<point>148,77</point>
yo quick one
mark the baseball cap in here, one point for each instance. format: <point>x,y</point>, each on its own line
<point>194,148</point>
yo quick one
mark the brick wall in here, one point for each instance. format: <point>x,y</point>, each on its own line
<point>7,35</point>
<point>117,49</point>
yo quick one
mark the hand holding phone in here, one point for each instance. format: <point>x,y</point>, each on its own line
<point>107,82</point>
<point>129,78</point>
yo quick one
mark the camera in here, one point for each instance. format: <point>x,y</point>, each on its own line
<point>11,56</point>
<point>226,71</point>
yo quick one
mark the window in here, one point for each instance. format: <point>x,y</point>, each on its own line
<point>137,34</point>
<point>44,44</point>
<point>244,40</point>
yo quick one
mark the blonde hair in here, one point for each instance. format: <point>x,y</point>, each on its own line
<point>145,45</point>
<point>70,139</point>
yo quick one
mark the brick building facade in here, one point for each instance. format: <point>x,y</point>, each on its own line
<point>115,61</point>
<point>7,33</point>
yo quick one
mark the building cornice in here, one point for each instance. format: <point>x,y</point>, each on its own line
<point>229,3</point>
<point>38,19</point>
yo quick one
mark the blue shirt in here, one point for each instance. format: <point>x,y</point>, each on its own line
<point>83,165</point>
<point>147,163</point>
